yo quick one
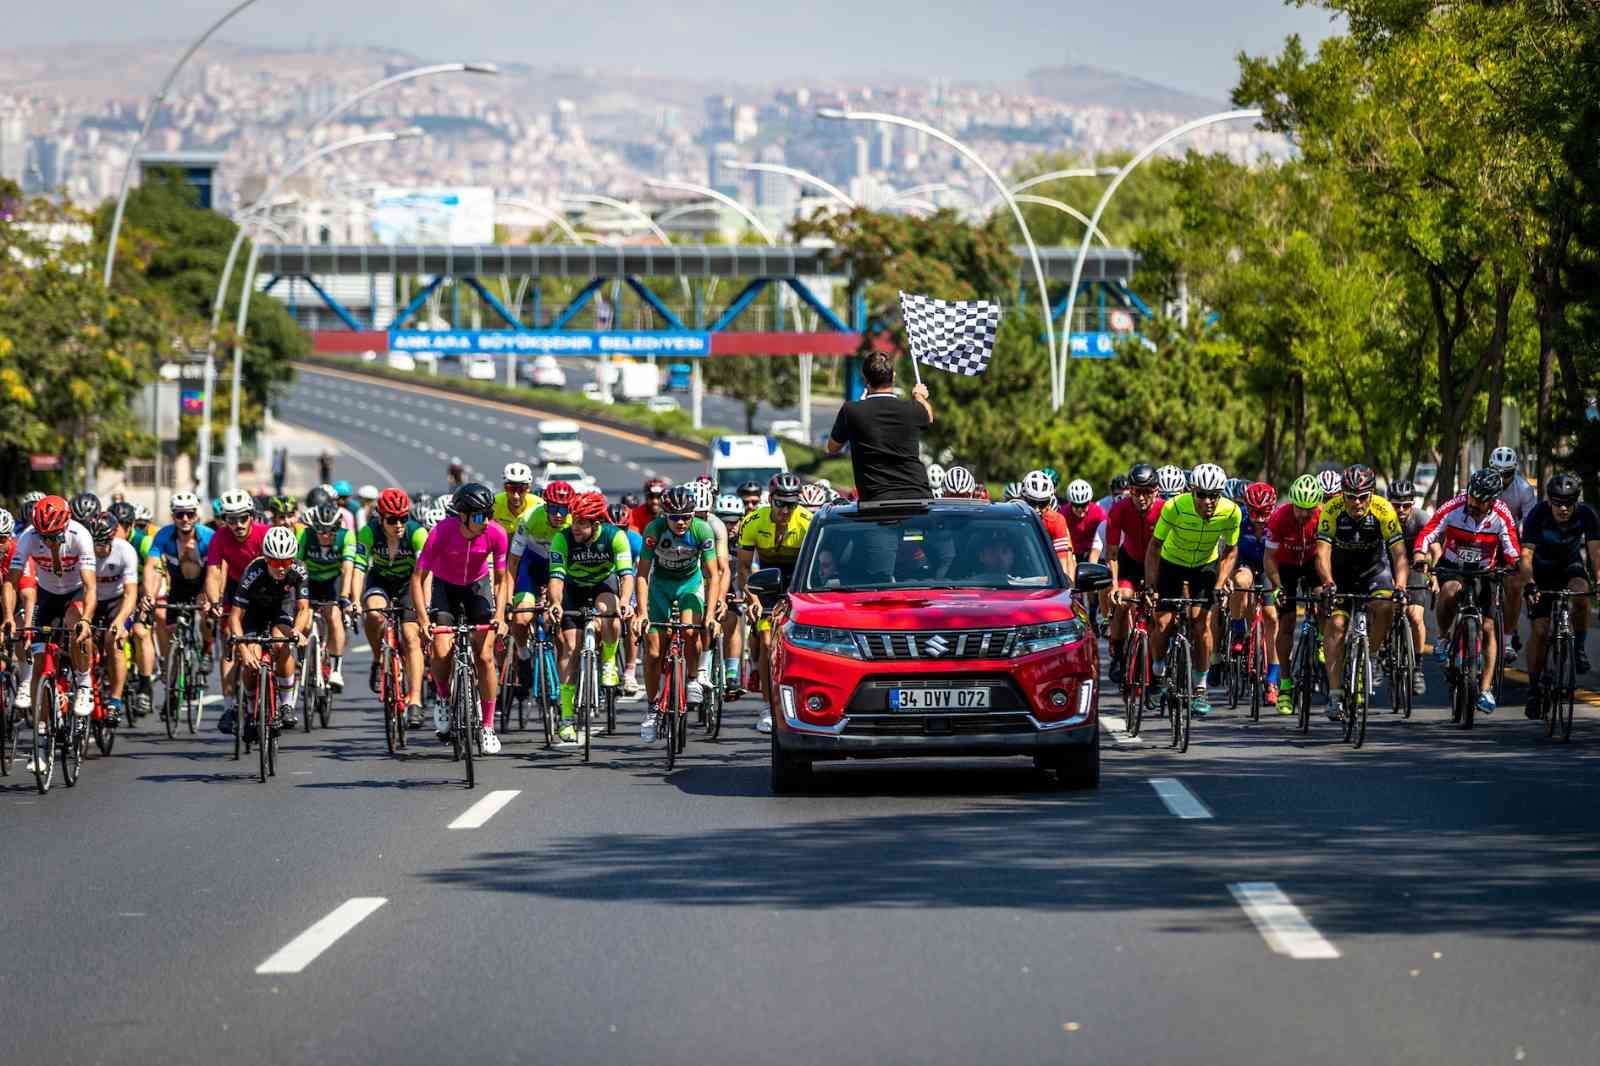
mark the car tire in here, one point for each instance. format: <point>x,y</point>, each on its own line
<point>790,775</point>
<point>1075,768</point>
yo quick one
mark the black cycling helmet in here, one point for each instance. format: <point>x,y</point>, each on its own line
<point>1118,483</point>
<point>324,517</point>
<point>1142,476</point>
<point>784,488</point>
<point>84,507</point>
<point>1485,484</point>
<point>317,497</point>
<point>124,512</point>
<point>473,498</point>
<point>102,527</point>
<point>1401,490</point>
<point>1563,488</point>
<point>750,488</point>
<point>1358,479</point>
<point>678,500</point>
<point>631,499</point>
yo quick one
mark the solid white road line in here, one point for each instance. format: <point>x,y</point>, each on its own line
<point>1285,929</point>
<point>1179,800</point>
<point>484,809</point>
<point>1118,729</point>
<point>300,952</point>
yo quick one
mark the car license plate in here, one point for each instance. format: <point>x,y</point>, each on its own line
<point>938,699</point>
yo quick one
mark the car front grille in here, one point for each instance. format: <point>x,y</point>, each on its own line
<point>938,645</point>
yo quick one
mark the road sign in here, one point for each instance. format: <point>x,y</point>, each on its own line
<point>1120,320</point>
<point>44,462</point>
<point>1093,345</point>
<point>551,342</point>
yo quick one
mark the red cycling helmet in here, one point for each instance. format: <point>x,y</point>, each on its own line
<point>591,505</point>
<point>559,494</point>
<point>656,486</point>
<point>394,503</point>
<point>51,515</point>
<point>1260,497</point>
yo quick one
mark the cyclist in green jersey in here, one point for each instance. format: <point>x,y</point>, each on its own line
<point>328,551</point>
<point>591,565</point>
<point>1191,554</point>
<point>386,555</point>
<point>679,550</point>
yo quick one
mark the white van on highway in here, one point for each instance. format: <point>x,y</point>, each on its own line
<point>736,459</point>
<point>559,442</point>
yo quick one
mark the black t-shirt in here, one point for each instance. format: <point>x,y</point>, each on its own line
<point>1557,545</point>
<point>259,593</point>
<point>883,432</point>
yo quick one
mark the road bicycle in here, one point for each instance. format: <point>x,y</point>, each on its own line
<point>101,727</point>
<point>182,677</point>
<point>63,732</point>
<point>590,698</point>
<point>672,686</point>
<point>258,705</point>
<point>1464,661</point>
<point>1245,671</point>
<point>466,703</point>
<point>538,677</point>
<point>1305,661</point>
<point>1136,667</point>
<point>1558,685</point>
<point>316,694</point>
<point>394,694</point>
<point>711,704</point>
<point>1397,663</point>
<point>9,726</point>
<point>1180,667</point>
<point>1358,664</point>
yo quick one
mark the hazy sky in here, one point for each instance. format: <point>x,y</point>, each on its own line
<point>1187,44</point>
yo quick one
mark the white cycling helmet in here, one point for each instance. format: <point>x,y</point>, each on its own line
<point>1013,491</point>
<point>704,497</point>
<point>1209,477</point>
<point>280,543</point>
<point>729,506</point>
<point>184,501</point>
<point>236,501</point>
<point>1503,460</point>
<point>958,481</point>
<point>435,515</point>
<point>1037,487</point>
<point>517,474</point>
<point>1170,482</point>
<point>33,497</point>
<point>367,493</point>
<point>813,496</point>
<point>935,476</point>
<point>8,525</point>
<point>1332,484</point>
<point>1080,492</point>
<point>141,513</point>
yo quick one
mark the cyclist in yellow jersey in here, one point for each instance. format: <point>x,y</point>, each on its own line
<point>1361,548</point>
<point>1192,553</point>
<point>517,501</point>
<point>773,535</point>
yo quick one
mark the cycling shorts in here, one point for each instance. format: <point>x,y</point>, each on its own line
<point>260,621</point>
<point>393,591</point>
<point>1130,571</point>
<point>183,590</point>
<point>533,574</point>
<point>50,608</point>
<point>106,610</point>
<point>473,603</point>
<point>1297,580</point>
<point>1363,577</point>
<point>689,595</point>
<point>1178,582</point>
<point>324,590</point>
<point>1551,578</point>
<point>575,598</point>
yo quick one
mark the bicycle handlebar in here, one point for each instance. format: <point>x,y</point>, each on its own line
<point>234,642</point>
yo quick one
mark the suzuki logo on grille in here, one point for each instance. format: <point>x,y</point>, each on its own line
<point>936,645</point>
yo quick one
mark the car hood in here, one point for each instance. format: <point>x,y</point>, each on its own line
<point>932,608</point>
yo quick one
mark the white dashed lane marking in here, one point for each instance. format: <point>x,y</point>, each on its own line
<point>1179,800</point>
<point>1281,924</point>
<point>303,950</point>
<point>476,815</point>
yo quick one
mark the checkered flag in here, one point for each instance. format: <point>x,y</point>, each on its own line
<point>953,335</point>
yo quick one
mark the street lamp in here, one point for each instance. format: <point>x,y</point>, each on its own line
<point>1058,395</point>
<point>719,197</point>
<point>549,215</point>
<point>1005,194</point>
<point>231,439</point>
<point>351,101</point>
<point>933,188</point>
<point>1065,209</point>
<point>1056,175</point>
<point>802,176</point>
<point>144,131</point>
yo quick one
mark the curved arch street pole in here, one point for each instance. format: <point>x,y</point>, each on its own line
<point>721,198</point>
<point>1058,393</point>
<point>230,441</point>
<point>144,131</point>
<point>1005,193</point>
<point>804,177</point>
<point>1064,208</point>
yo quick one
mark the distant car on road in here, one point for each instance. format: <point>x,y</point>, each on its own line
<point>543,372</point>
<point>559,442</point>
<point>571,473</point>
<point>479,368</point>
<point>399,361</point>
<point>680,376</point>
<point>661,404</point>
<point>597,392</point>
<point>931,628</point>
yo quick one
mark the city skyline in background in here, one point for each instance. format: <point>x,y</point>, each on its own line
<point>1190,47</point>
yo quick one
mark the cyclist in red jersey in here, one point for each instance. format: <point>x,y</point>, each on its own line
<point>1083,517</point>
<point>1291,567</point>
<point>234,547</point>
<point>1128,528</point>
<point>1039,492</point>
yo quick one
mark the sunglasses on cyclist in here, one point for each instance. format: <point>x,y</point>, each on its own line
<point>391,520</point>
<point>178,516</point>
<point>1207,495</point>
<point>1362,498</point>
<point>776,506</point>
<point>238,519</point>
<point>556,511</point>
<point>679,517</point>
<point>475,517</point>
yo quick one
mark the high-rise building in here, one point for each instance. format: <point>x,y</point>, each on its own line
<point>720,176</point>
<point>13,147</point>
<point>885,147</point>
<point>775,191</point>
<point>863,165</point>
<point>745,124</point>
<point>47,171</point>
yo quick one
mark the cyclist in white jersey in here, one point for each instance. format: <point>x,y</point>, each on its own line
<point>716,602</point>
<point>1519,497</point>
<point>59,553</point>
<point>116,571</point>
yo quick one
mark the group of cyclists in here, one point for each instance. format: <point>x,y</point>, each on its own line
<point>1170,535</point>
<point>1190,542</point>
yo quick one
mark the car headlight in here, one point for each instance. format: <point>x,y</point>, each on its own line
<point>1031,639</point>
<point>819,638</point>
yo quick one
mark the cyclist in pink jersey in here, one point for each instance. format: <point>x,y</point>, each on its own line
<point>233,548</point>
<point>461,575</point>
<point>1128,528</point>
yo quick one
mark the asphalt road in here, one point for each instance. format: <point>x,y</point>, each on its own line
<point>907,912</point>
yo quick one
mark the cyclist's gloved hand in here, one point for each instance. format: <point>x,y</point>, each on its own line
<point>344,603</point>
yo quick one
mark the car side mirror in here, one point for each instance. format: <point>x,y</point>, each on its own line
<point>1092,577</point>
<point>768,582</point>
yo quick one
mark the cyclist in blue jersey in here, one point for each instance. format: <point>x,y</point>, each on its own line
<point>178,555</point>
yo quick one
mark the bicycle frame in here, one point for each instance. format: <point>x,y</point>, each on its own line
<point>466,707</point>
<point>62,731</point>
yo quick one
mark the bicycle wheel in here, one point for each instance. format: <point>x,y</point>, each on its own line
<point>1471,630</point>
<point>669,704</point>
<point>260,720</point>
<point>1303,668</point>
<point>1566,694</point>
<point>714,693</point>
<point>72,741</point>
<point>1403,668</point>
<point>105,737</point>
<point>387,696</point>
<point>588,686</point>
<point>44,743</point>
<point>172,696</point>
<point>8,722</point>
<point>194,686</point>
<point>1137,686</point>
<point>507,685</point>
<point>468,717</point>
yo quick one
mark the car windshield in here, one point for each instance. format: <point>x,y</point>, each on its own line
<point>558,437</point>
<point>983,549</point>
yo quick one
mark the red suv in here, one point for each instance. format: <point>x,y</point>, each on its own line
<point>931,628</point>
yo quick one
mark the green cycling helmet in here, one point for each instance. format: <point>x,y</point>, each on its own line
<point>1050,472</point>
<point>1306,492</point>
